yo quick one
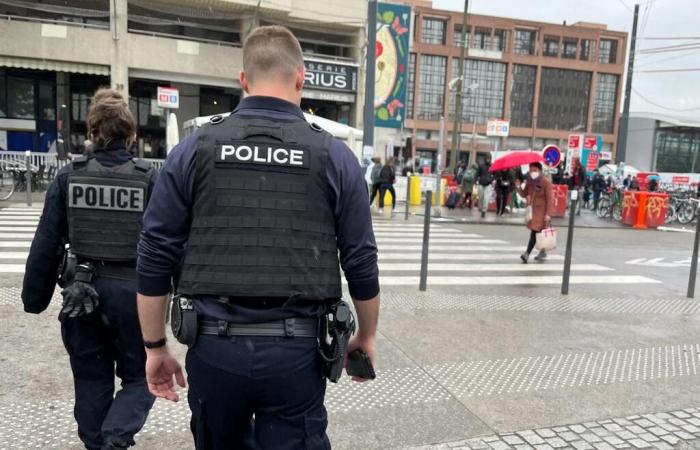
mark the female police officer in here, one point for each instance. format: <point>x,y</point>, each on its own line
<point>95,206</point>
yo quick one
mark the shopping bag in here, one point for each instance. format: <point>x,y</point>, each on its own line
<point>546,239</point>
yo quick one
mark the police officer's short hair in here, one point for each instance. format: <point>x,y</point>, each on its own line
<point>109,118</point>
<point>271,52</point>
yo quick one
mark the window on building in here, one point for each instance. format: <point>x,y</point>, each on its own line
<point>433,31</point>
<point>410,95</point>
<point>500,40</point>
<point>3,93</point>
<point>428,135</point>
<point>522,95</point>
<point>604,109</point>
<point>432,86</point>
<point>90,12</point>
<point>677,150</point>
<point>47,100</point>
<point>457,38</point>
<point>82,88</point>
<point>551,46</point>
<point>525,42</point>
<point>569,50</point>
<point>517,143</point>
<point>586,50</point>
<point>216,101</point>
<point>483,90</point>
<point>20,98</point>
<point>482,38</point>
<point>563,103</point>
<point>607,52</point>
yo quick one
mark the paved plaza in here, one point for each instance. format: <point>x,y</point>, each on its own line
<point>491,356</point>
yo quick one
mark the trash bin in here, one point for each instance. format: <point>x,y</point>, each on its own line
<point>560,193</point>
<point>657,207</point>
<point>630,208</point>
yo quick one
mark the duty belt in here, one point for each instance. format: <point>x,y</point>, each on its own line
<point>305,328</point>
<point>115,270</point>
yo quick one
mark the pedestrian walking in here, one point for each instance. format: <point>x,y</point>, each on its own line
<point>578,180</point>
<point>387,178</point>
<point>96,204</point>
<point>598,186</point>
<point>504,186</point>
<point>627,181</point>
<point>376,180</point>
<point>538,192</point>
<point>467,184</point>
<point>262,241</point>
<point>484,181</point>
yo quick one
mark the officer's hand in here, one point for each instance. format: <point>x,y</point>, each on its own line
<point>160,368</point>
<point>367,345</point>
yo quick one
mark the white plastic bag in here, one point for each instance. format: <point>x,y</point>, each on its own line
<point>546,239</point>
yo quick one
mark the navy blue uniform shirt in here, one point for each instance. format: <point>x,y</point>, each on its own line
<point>45,255</point>
<point>169,215</point>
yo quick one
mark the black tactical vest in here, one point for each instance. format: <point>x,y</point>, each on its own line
<point>105,208</point>
<point>263,225</point>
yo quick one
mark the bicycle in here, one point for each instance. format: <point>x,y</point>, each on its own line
<point>610,201</point>
<point>687,210</point>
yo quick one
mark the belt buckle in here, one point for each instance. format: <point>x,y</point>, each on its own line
<point>289,325</point>
<point>222,328</point>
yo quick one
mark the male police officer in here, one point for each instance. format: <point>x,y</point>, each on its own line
<point>95,204</point>
<point>264,202</point>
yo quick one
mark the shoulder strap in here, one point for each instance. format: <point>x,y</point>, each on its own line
<point>81,161</point>
<point>142,165</point>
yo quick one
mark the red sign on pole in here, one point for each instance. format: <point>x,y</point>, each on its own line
<point>677,179</point>
<point>592,163</point>
<point>590,142</point>
<point>574,141</point>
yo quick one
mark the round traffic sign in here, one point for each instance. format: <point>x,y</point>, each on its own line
<point>552,155</point>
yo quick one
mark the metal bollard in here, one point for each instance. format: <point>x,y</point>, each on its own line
<point>426,240</point>
<point>408,196</point>
<point>28,175</point>
<point>694,262</point>
<point>569,244</point>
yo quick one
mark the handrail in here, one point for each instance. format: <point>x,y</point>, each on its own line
<point>11,17</point>
<point>183,38</point>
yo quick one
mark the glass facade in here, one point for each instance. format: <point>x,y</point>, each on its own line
<point>564,99</point>
<point>551,46</point>
<point>522,95</point>
<point>432,86</point>
<point>500,40</point>
<point>607,53</point>
<point>457,37</point>
<point>604,110</point>
<point>82,88</point>
<point>569,49</point>
<point>433,31</point>
<point>482,38</point>
<point>525,42</point>
<point>216,101</point>
<point>410,95</point>
<point>586,50</point>
<point>483,90</point>
<point>677,150</point>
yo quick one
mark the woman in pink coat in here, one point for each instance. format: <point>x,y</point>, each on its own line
<point>538,193</point>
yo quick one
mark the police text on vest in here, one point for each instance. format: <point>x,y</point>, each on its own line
<point>265,154</point>
<point>93,196</point>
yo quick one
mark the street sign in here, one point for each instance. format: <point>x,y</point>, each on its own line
<point>168,97</point>
<point>497,128</point>
<point>678,179</point>
<point>590,142</point>
<point>574,141</point>
<point>592,163</point>
<point>606,156</point>
<point>552,155</point>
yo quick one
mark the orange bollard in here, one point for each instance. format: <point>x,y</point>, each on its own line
<point>642,212</point>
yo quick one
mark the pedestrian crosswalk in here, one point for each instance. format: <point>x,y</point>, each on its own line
<point>455,258</point>
<point>459,258</point>
<point>17,227</point>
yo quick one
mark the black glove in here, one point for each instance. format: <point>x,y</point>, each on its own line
<point>79,299</point>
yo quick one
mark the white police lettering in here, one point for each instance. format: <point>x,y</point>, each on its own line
<point>120,198</point>
<point>262,154</point>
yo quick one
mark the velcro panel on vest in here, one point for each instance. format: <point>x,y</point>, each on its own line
<point>104,214</point>
<point>261,227</point>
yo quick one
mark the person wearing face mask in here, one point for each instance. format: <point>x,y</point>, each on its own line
<point>538,193</point>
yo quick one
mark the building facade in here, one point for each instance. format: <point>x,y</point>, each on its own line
<point>547,80</point>
<point>55,54</point>
<point>661,143</point>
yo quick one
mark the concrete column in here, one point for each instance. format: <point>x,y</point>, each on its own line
<point>591,101</point>
<point>536,105</point>
<point>119,68</point>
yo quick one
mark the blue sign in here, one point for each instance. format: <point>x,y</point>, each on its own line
<point>551,155</point>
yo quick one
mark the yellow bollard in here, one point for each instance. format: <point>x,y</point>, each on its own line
<point>414,187</point>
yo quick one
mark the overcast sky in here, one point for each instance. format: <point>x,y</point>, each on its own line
<point>664,18</point>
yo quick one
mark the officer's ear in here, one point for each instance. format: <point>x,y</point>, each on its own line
<point>299,81</point>
<point>244,82</point>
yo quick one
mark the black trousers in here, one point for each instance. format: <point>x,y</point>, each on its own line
<point>96,344</point>
<point>382,191</point>
<point>501,200</point>
<point>279,380</point>
<point>375,190</point>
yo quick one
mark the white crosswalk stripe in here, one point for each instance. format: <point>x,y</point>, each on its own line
<point>17,228</point>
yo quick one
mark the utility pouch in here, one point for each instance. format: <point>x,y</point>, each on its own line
<point>67,268</point>
<point>183,320</point>
<point>338,327</point>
